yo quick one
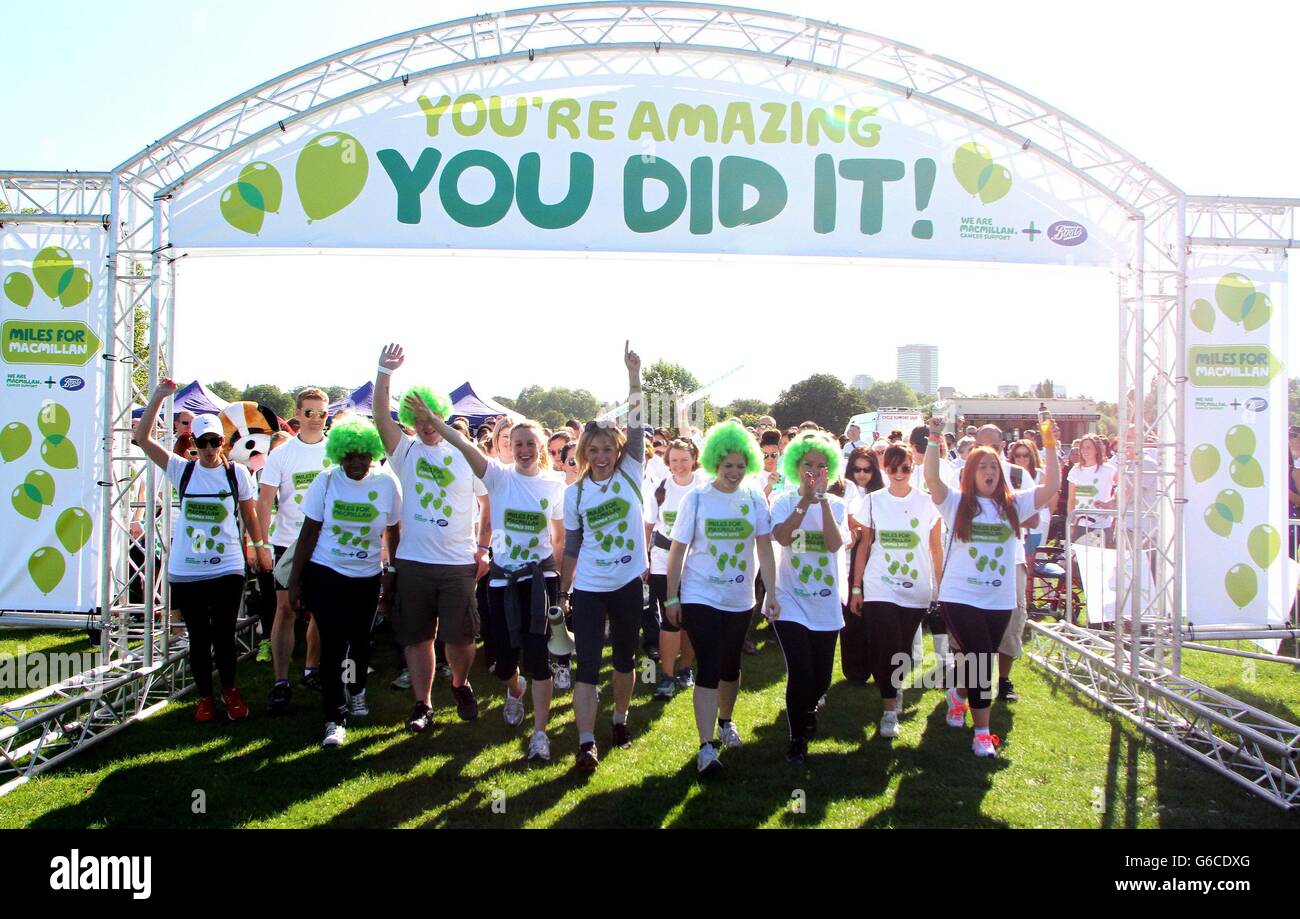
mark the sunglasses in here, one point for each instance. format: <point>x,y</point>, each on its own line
<point>659,445</point>
<point>861,470</point>
<point>208,442</point>
<point>770,455</point>
<point>315,413</point>
<point>571,463</point>
<point>900,470</point>
<point>556,452</point>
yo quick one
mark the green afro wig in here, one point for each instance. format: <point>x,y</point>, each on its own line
<point>799,447</point>
<point>353,436</point>
<point>438,403</point>
<point>728,438</point>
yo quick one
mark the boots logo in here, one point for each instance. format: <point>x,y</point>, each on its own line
<point>103,872</point>
<point>1067,233</point>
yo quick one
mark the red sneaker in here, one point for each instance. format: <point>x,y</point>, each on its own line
<point>236,707</point>
<point>206,711</point>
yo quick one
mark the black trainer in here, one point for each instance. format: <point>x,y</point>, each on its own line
<point>420,719</point>
<point>1007,690</point>
<point>280,696</point>
<point>797,752</point>
<point>622,736</point>
<point>588,757</point>
<point>466,704</point>
<point>311,680</point>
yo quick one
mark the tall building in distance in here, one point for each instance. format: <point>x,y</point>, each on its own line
<point>918,367</point>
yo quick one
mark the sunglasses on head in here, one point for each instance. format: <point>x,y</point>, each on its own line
<point>208,441</point>
<point>315,413</point>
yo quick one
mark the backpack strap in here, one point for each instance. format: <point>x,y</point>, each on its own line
<point>636,489</point>
<point>185,479</point>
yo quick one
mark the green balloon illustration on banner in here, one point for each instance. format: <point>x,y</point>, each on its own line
<point>46,566</point>
<point>58,452</point>
<point>1247,472</point>
<point>331,172</point>
<point>73,528</point>
<point>26,500</point>
<point>19,290</point>
<point>1240,302</point>
<point>15,439</point>
<point>53,419</point>
<point>1240,441</point>
<point>1204,462</point>
<point>1241,584</point>
<point>49,267</point>
<point>43,482</point>
<point>239,213</point>
<point>976,172</point>
<point>1216,520</point>
<point>74,287</point>
<point>1203,315</point>
<point>1263,544</point>
<point>264,179</point>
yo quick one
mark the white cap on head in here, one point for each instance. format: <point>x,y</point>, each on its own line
<point>207,424</point>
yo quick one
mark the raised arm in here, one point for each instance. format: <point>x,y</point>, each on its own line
<point>477,461</point>
<point>143,434</point>
<point>390,359</point>
<point>635,406</point>
<point>933,480</point>
<point>1051,472</point>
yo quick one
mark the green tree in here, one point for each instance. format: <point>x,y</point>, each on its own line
<point>1108,424</point>
<point>224,389</point>
<point>553,407</point>
<point>333,393</point>
<point>507,402</point>
<point>668,379</point>
<point>822,398</point>
<point>894,394</point>
<point>743,407</point>
<point>270,395</point>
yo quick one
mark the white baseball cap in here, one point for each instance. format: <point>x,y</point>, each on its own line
<point>207,424</point>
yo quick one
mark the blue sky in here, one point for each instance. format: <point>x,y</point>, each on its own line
<point>1203,92</point>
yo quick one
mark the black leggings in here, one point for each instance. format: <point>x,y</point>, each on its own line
<point>659,593</point>
<point>718,637</point>
<point>891,629</point>
<point>535,656</point>
<point>344,609</point>
<point>590,609</point>
<point>809,663</point>
<point>979,633</point>
<point>855,647</point>
<point>211,609</point>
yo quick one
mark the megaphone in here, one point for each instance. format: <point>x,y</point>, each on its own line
<point>561,641</point>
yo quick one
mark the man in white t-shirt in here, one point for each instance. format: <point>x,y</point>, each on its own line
<point>437,561</point>
<point>854,434</point>
<point>289,471</point>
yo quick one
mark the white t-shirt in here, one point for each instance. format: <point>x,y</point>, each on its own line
<point>353,516</point>
<point>438,510</point>
<point>900,569</point>
<point>205,537</point>
<point>662,516</point>
<point>981,573</point>
<point>1092,484</point>
<point>853,445</point>
<point>291,468</point>
<point>720,530</point>
<point>760,479</point>
<point>656,470</point>
<point>523,507</point>
<point>947,475</point>
<point>612,527</point>
<point>809,580</point>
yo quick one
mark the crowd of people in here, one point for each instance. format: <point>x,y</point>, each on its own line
<point>536,549</point>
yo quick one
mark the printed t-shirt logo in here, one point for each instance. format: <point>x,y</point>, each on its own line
<point>525,521</point>
<point>989,532</point>
<point>899,539</point>
<point>355,512</point>
<point>302,480</point>
<point>205,511</point>
<point>440,474</point>
<point>809,541</point>
<point>728,528</point>
<point>1085,491</point>
<point>603,515</point>
<point>670,517</point>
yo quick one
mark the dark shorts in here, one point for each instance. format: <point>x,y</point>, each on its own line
<point>435,601</point>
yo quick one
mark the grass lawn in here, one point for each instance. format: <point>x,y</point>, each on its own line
<point>1063,764</point>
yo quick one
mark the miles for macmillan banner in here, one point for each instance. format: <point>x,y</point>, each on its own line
<point>1236,417</point>
<point>762,161</point>
<point>52,317</point>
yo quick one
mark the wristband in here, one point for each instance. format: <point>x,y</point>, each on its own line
<point>485,548</point>
<point>385,371</point>
<point>673,601</point>
<point>857,591</point>
<point>261,545</point>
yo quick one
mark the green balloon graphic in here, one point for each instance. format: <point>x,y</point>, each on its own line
<point>1240,441</point>
<point>1218,521</point>
<point>968,163</point>
<point>49,267</point>
<point>265,178</point>
<point>74,287</point>
<point>1232,505</point>
<point>43,482</point>
<point>1203,315</point>
<point>1247,473</point>
<point>331,172</point>
<point>14,441</point>
<point>53,419</point>
<point>995,182</point>
<point>26,500</point>
<point>73,528</point>
<point>46,566</point>
<point>239,213</point>
<point>1258,309</point>
<point>1231,293</point>
<point>1241,584</point>
<point>1204,462</point>
<point>58,451</point>
<point>18,288</point>
<point>1264,543</point>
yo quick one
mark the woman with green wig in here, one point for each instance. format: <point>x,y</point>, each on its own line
<point>336,565</point>
<point>721,534</point>
<point>811,526</point>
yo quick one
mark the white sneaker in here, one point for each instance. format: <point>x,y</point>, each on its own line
<point>563,679</point>
<point>335,734</point>
<point>540,747</point>
<point>728,736</point>
<point>985,745</point>
<point>706,761</point>
<point>357,705</point>
<point>889,725</point>
<point>514,710</point>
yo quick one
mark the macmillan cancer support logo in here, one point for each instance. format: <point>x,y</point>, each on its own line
<point>329,175</point>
